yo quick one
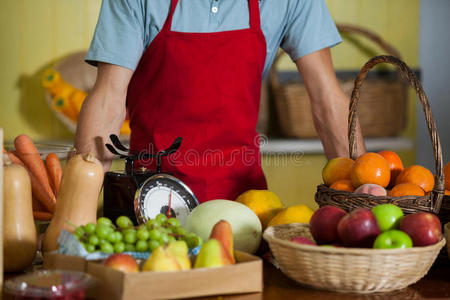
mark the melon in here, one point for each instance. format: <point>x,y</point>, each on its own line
<point>245,224</point>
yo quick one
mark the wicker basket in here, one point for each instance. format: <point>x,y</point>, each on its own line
<point>380,116</point>
<point>409,204</point>
<point>447,237</point>
<point>355,270</point>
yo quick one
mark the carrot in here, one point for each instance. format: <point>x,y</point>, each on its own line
<point>54,171</point>
<point>14,159</point>
<point>40,184</point>
<point>41,195</point>
<point>37,205</point>
<point>42,215</point>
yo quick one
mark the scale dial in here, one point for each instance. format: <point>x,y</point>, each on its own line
<point>160,192</point>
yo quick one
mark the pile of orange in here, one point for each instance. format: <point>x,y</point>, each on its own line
<point>384,169</point>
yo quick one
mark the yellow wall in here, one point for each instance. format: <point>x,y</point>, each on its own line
<point>33,35</point>
<point>36,33</point>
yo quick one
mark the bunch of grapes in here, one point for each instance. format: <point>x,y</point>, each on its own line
<point>124,237</point>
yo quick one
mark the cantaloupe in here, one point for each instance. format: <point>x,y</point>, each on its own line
<point>245,224</point>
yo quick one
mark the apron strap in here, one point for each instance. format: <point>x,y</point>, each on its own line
<point>255,22</point>
<point>168,23</point>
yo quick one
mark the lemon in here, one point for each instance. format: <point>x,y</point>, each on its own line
<point>293,214</point>
<point>265,204</point>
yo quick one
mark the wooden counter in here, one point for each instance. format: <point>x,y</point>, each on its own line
<point>435,285</point>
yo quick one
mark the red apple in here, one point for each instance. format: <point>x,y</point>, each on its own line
<point>323,224</point>
<point>423,228</point>
<point>302,240</point>
<point>359,228</point>
<point>122,262</point>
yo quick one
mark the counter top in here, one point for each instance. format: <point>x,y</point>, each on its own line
<point>435,285</point>
<point>280,146</point>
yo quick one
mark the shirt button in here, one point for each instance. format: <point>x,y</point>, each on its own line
<point>215,9</point>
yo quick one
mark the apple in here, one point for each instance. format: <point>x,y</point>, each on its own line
<point>393,239</point>
<point>323,224</point>
<point>424,228</point>
<point>302,240</point>
<point>388,216</point>
<point>122,262</point>
<point>359,228</point>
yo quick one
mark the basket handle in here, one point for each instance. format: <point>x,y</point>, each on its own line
<point>343,28</point>
<point>346,28</point>
<point>415,83</point>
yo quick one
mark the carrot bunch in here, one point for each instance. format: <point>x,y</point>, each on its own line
<point>45,175</point>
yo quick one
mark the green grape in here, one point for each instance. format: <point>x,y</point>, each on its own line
<point>150,224</point>
<point>110,230</point>
<point>107,248</point>
<point>128,230</point>
<point>161,218</point>
<point>102,231</point>
<point>90,248</point>
<point>180,231</point>
<point>154,234</point>
<point>119,236</point>
<point>142,234</point>
<point>153,244</point>
<point>124,222</point>
<point>171,238</point>
<point>111,237</point>
<point>194,241</point>
<point>89,228</point>
<point>102,241</point>
<point>119,247</point>
<point>130,237</point>
<point>79,231</point>
<point>93,240</point>
<point>173,222</point>
<point>130,248</point>
<point>104,221</point>
<point>141,246</point>
<point>164,238</point>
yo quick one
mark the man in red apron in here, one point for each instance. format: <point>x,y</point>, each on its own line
<point>204,87</point>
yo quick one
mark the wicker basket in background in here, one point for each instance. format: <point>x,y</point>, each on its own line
<point>409,204</point>
<point>380,116</point>
<point>354,270</point>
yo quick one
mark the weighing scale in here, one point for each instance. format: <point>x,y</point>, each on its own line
<point>140,193</point>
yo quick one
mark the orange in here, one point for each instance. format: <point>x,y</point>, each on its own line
<point>336,169</point>
<point>406,189</point>
<point>395,164</point>
<point>447,193</point>
<point>418,175</point>
<point>343,185</point>
<point>447,176</point>
<point>370,168</point>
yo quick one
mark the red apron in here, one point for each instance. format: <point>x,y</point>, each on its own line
<point>205,88</point>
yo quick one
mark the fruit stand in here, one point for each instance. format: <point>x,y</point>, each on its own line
<point>376,235</point>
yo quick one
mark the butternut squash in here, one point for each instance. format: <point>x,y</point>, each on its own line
<point>76,203</point>
<point>19,231</point>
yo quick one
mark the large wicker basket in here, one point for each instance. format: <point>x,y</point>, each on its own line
<point>354,270</point>
<point>381,116</point>
<point>409,204</point>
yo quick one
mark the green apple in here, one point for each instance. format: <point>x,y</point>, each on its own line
<point>392,239</point>
<point>388,216</point>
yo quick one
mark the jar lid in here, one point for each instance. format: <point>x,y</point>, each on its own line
<point>49,283</point>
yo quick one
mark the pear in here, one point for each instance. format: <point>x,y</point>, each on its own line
<point>223,233</point>
<point>180,250</point>
<point>161,259</point>
<point>212,254</point>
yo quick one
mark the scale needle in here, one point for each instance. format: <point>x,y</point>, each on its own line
<point>169,214</point>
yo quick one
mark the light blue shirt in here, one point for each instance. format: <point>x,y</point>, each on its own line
<point>126,28</point>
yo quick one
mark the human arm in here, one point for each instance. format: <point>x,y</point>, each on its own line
<point>103,111</point>
<point>329,104</point>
